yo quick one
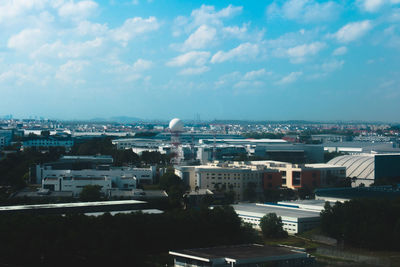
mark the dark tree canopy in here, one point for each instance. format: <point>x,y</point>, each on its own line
<point>125,239</point>
<point>271,226</point>
<point>91,193</point>
<point>368,223</point>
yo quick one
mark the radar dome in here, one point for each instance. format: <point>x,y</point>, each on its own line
<point>176,125</point>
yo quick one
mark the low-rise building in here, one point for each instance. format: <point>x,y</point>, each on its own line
<point>312,176</point>
<point>242,255</point>
<point>295,219</point>
<point>67,143</point>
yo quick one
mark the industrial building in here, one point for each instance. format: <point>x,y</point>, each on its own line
<point>242,255</point>
<point>367,168</point>
<point>343,194</point>
<point>72,173</point>
<point>295,219</point>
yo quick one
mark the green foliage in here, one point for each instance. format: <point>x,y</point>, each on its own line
<point>15,166</point>
<point>275,195</point>
<point>249,193</point>
<point>271,226</point>
<point>91,193</point>
<point>78,240</point>
<point>368,223</point>
<point>174,187</point>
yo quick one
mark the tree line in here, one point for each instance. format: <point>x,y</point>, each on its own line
<point>136,239</point>
<point>367,223</point>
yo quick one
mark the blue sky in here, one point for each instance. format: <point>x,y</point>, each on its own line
<point>261,60</point>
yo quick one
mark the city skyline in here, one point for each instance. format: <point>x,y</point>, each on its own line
<point>278,60</point>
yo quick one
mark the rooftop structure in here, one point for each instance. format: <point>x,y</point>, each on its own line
<point>176,125</point>
<point>242,255</point>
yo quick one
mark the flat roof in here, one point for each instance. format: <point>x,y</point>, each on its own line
<point>261,209</point>
<point>70,205</point>
<point>148,211</point>
<point>237,253</point>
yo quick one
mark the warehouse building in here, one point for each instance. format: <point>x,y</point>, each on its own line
<point>242,255</point>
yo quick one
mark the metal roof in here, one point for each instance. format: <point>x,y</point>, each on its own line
<point>360,166</point>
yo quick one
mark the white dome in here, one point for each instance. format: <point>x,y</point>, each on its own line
<point>176,125</point>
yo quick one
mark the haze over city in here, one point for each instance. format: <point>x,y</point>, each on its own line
<point>257,60</point>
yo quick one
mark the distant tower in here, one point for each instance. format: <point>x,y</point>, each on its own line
<point>176,128</point>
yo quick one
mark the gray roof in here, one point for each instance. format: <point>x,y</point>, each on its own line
<point>261,210</point>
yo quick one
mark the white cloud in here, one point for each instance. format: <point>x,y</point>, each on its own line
<point>27,39</point>
<point>340,51</point>
<point>142,64</point>
<point>197,58</point>
<point>371,5</point>
<point>90,28</point>
<point>375,5</point>
<point>242,52</point>
<point>205,15</point>
<point>194,71</point>
<point>248,84</point>
<point>292,77</point>
<point>69,71</point>
<point>10,9</point>
<point>201,38</point>
<point>133,27</point>
<point>299,53</point>
<point>305,10</point>
<point>78,10</point>
<point>332,65</point>
<point>255,74</point>
<point>20,74</point>
<point>352,31</point>
<point>235,31</point>
<point>251,81</point>
<point>70,50</point>
<point>228,79</point>
<point>208,15</point>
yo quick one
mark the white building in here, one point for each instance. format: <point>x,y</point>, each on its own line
<point>75,184</point>
<point>295,219</point>
<point>142,175</point>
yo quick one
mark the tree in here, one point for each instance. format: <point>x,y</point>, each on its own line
<point>250,193</point>
<point>271,226</point>
<point>91,193</point>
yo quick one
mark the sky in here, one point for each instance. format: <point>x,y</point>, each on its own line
<point>242,60</point>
